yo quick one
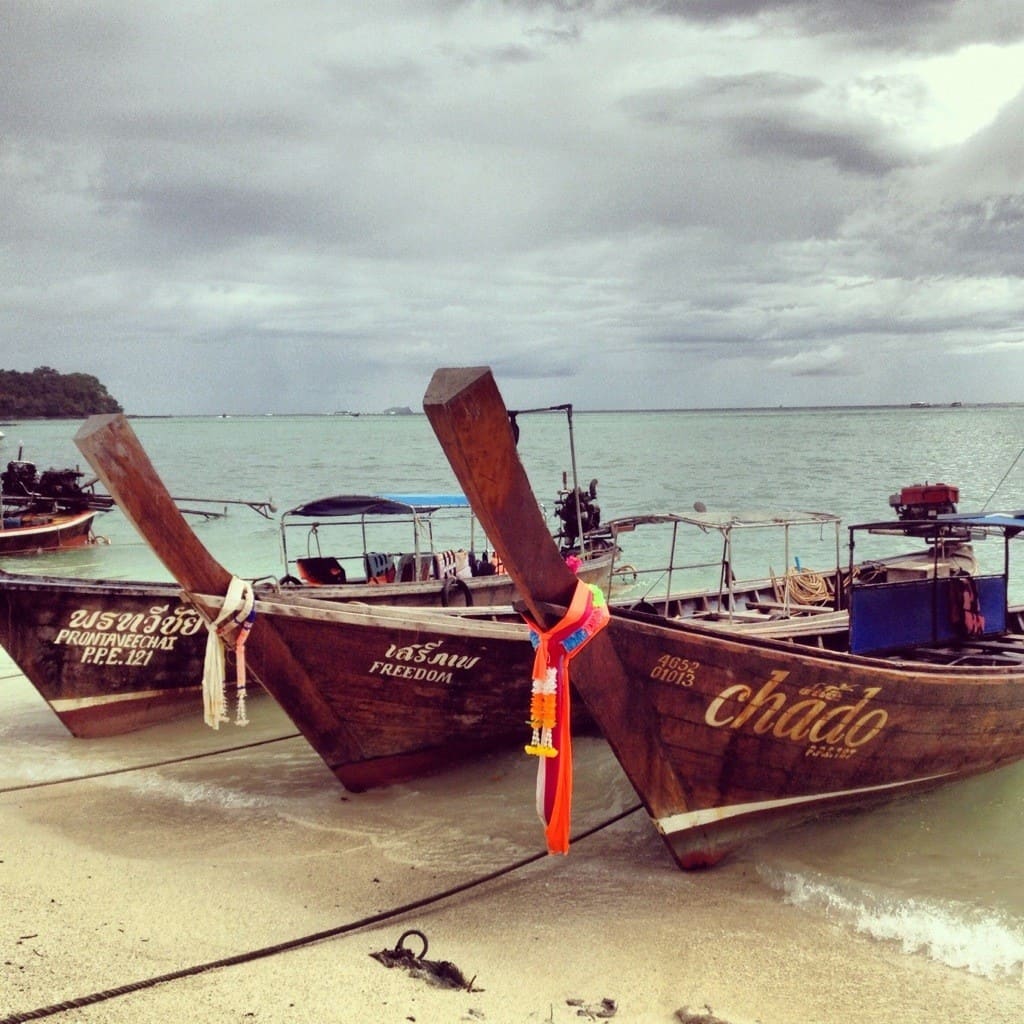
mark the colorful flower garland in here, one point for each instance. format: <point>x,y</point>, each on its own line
<point>550,707</point>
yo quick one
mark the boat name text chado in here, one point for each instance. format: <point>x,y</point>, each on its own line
<point>129,638</point>
<point>831,729</point>
<point>423,662</point>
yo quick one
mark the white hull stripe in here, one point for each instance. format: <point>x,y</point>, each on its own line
<point>81,703</point>
<point>694,819</point>
<point>56,526</point>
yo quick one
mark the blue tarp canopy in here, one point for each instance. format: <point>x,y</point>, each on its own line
<point>377,505</point>
<point>1000,520</point>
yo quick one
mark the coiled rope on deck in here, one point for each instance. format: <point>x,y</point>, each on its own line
<point>305,940</point>
<point>802,586</point>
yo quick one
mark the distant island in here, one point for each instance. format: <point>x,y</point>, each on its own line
<point>46,394</point>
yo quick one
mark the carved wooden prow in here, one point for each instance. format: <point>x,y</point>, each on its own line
<point>471,422</point>
<point>119,460</point>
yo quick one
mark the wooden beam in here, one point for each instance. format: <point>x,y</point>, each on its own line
<point>471,422</point>
<point>119,460</point>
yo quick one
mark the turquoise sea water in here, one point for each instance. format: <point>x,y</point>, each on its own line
<point>940,875</point>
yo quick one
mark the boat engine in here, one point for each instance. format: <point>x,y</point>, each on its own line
<point>575,508</point>
<point>62,484</point>
<point>925,501</point>
<point>19,479</point>
<point>22,485</point>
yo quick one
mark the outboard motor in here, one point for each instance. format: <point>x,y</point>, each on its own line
<point>923,504</point>
<point>578,508</point>
<point>61,484</point>
<point>19,479</point>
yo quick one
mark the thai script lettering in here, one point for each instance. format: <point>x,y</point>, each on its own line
<point>829,729</point>
<point>127,638</point>
<point>158,619</point>
<point>423,662</point>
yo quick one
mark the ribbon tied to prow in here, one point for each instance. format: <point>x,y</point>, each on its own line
<point>550,707</point>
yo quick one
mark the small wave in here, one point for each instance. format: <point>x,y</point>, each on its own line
<point>982,941</point>
<point>192,793</point>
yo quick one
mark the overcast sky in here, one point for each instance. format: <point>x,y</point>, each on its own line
<point>309,206</point>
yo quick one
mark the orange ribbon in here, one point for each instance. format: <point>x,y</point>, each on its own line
<point>552,739</point>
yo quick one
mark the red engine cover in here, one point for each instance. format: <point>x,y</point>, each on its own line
<point>929,494</point>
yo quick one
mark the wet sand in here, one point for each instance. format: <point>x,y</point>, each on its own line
<point>111,881</point>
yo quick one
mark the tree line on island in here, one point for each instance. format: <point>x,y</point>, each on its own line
<point>46,394</point>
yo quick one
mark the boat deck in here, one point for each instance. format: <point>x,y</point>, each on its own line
<point>828,629</point>
<point>1006,650</point>
<point>808,627</point>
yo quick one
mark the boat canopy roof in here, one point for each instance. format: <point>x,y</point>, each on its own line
<point>1008,523</point>
<point>1011,522</point>
<point>724,522</point>
<point>341,505</point>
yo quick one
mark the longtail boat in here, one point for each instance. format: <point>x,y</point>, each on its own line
<point>383,694</point>
<point>427,549</point>
<point>113,656</point>
<point>43,511</point>
<point>107,656</point>
<point>727,734</point>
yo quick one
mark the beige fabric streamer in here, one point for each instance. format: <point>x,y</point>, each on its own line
<point>238,603</point>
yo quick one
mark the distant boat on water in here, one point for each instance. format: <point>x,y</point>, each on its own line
<point>44,511</point>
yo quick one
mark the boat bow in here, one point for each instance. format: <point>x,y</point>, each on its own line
<point>119,460</point>
<point>471,422</point>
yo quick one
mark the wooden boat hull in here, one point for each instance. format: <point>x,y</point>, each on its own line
<point>729,735</point>
<point>389,694</point>
<point>111,657</point>
<point>395,694</point>
<point>60,530</point>
<point>107,657</point>
<point>726,740</point>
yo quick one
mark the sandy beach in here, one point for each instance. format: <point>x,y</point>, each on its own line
<point>113,881</point>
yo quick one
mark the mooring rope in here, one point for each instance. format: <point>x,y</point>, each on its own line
<point>305,940</point>
<point>150,764</point>
<point>1002,479</point>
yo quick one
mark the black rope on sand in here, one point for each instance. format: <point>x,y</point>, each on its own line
<point>306,940</point>
<point>151,764</point>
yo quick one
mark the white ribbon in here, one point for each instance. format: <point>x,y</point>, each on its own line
<point>238,603</point>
